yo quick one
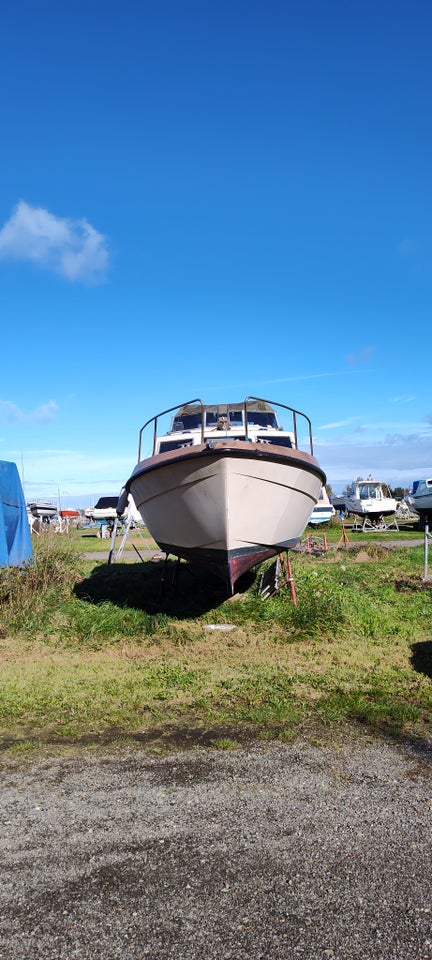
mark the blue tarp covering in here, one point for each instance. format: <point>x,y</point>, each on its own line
<point>15,538</point>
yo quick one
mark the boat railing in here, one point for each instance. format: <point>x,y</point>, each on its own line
<point>154,421</point>
<point>294,414</point>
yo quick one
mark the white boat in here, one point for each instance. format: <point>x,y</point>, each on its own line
<point>104,509</point>
<point>421,497</point>
<point>370,499</point>
<point>323,510</point>
<point>226,487</point>
<point>42,509</point>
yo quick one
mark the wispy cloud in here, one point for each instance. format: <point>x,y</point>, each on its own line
<point>71,248</point>
<point>264,383</point>
<point>361,356</point>
<point>11,413</point>
<point>405,398</point>
<point>338,423</point>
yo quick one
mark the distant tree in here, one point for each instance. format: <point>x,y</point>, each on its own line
<point>329,489</point>
<point>398,493</point>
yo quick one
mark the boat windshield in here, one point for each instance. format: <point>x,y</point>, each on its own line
<point>187,421</point>
<point>214,416</point>
<point>366,492</point>
<point>262,419</point>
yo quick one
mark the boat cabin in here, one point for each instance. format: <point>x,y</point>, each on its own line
<point>370,490</point>
<point>256,421</point>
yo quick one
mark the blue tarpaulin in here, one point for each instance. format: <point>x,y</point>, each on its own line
<point>15,538</point>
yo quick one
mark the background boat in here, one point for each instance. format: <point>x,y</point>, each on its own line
<point>323,510</point>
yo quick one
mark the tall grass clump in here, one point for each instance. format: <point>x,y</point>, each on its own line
<point>321,607</point>
<point>28,595</point>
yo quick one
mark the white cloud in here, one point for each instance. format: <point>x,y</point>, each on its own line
<point>396,458</point>
<point>405,398</point>
<point>10,412</point>
<point>364,355</point>
<point>72,248</point>
<point>338,423</point>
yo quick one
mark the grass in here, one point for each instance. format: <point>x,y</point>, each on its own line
<point>90,651</point>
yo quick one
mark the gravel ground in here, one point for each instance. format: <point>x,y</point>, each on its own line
<point>275,851</point>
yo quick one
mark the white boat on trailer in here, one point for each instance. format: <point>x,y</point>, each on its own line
<point>370,499</point>
<point>226,487</point>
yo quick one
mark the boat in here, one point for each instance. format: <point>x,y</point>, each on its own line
<point>69,514</point>
<point>226,487</point>
<point>370,499</point>
<point>323,510</point>
<point>104,509</point>
<point>421,497</point>
<point>42,509</point>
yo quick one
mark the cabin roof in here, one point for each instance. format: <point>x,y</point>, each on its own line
<point>253,405</point>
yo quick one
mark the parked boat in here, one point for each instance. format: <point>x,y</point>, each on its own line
<point>104,509</point>
<point>69,514</point>
<point>226,486</point>
<point>421,497</point>
<point>323,510</point>
<point>370,499</point>
<point>42,509</point>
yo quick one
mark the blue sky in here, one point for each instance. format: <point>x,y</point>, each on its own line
<point>214,200</point>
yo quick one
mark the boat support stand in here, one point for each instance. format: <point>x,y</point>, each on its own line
<point>368,527</point>
<point>427,537</point>
<point>276,577</point>
<point>113,556</point>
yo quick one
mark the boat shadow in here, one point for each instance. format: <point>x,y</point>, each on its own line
<point>421,657</point>
<point>181,591</point>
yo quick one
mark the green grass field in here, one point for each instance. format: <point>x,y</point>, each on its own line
<point>91,652</point>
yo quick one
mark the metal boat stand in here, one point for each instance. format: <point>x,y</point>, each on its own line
<point>164,577</point>
<point>368,527</point>
<point>277,576</point>
<point>113,556</point>
<point>427,537</point>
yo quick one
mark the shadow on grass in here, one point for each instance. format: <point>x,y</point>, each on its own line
<point>181,592</point>
<point>421,657</point>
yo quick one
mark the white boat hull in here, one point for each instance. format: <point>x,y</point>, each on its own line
<point>371,508</point>
<point>323,511</point>
<point>228,507</point>
<point>321,514</point>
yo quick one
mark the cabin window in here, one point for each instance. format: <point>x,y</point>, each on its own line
<point>235,417</point>
<point>279,441</point>
<point>188,421</point>
<point>166,445</point>
<point>262,419</point>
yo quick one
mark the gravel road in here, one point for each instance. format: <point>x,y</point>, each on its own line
<point>277,851</point>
